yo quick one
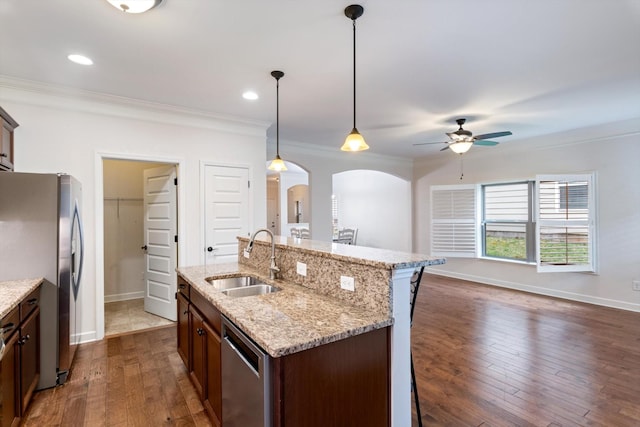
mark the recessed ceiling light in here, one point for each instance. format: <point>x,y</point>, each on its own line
<point>134,6</point>
<point>80,59</point>
<point>250,95</point>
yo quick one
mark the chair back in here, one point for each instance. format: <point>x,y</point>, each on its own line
<point>295,232</point>
<point>415,286</point>
<point>304,233</point>
<point>348,235</point>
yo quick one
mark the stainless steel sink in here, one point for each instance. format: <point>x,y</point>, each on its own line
<point>234,282</point>
<point>252,290</point>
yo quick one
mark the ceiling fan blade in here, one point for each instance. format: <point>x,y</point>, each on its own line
<point>485,142</point>
<point>492,135</point>
<point>445,148</point>
<point>428,143</point>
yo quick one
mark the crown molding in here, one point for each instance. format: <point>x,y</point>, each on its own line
<point>63,97</point>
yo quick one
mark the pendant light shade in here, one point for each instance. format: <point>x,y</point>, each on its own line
<point>134,6</point>
<point>277,164</point>
<point>354,141</point>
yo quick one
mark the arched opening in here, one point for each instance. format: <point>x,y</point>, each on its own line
<point>288,199</point>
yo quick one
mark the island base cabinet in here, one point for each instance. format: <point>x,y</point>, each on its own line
<point>342,384</point>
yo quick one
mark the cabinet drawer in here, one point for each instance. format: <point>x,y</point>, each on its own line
<point>183,287</point>
<point>9,323</point>
<point>29,304</point>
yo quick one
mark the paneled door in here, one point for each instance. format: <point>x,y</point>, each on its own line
<point>226,211</point>
<point>160,231</point>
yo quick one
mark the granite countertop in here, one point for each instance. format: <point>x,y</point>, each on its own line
<point>14,291</point>
<point>285,322</point>
<point>375,257</point>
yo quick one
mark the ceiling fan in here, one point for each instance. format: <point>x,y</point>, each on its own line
<point>462,140</point>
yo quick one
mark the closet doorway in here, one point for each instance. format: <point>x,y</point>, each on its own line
<point>127,256</point>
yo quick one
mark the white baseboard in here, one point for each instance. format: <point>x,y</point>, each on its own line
<point>123,297</point>
<point>623,305</point>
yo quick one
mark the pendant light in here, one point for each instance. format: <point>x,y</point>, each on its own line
<point>134,6</point>
<point>277,164</point>
<point>354,141</point>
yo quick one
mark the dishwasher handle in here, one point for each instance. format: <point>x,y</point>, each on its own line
<point>251,354</point>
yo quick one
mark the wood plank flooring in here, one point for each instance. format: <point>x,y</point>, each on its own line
<point>484,356</point>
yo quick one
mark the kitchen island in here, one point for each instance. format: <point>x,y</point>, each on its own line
<point>313,318</point>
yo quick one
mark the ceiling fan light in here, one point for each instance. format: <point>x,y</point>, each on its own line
<point>277,164</point>
<point>460,147</point>
<point>354,142</point>
<point>134,6</point>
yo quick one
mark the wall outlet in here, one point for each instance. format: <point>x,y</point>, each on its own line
<point>347,283</point>
<point>635,285</point>
<point>246,253</point>
<point>301,268</point>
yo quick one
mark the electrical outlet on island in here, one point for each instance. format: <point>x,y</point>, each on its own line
<point>347,283</point>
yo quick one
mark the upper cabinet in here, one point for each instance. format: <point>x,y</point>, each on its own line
<point>6,140</point>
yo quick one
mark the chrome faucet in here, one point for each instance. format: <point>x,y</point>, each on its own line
<point>273,269</point>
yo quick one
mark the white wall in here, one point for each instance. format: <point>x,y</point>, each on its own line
<point>612,151</point>
<point>71,132</point>
<point>378,205</point>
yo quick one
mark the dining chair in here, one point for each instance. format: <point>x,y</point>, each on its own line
<point>415,286</point>
<point>295,232</point>
<point>348,235</point>
<point>304,233</point>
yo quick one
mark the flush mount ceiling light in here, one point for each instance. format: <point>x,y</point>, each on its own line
<point>134,6</point>
<point>277,164</point>
<point>80,59</point>
<point>354,141</point>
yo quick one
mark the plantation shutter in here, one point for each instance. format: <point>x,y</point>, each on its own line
<point>453,221</point>
<point>565,226</point>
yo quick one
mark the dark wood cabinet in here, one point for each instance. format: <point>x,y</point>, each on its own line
<point>199,324</point>
<point>6,140</point>
<point>183,329</point>
<point>20,364</point>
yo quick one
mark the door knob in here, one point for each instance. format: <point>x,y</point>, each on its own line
<point>210,249</point>
<point>144,247</point>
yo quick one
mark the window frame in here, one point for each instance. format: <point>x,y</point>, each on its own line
<point>529,224</point>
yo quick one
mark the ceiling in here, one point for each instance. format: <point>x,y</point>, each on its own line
<point>531,67</point>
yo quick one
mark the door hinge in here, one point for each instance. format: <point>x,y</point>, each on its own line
<point>175,181</point>
<point>248,184</point>
<point>176,295</point>
<point>175,238</point>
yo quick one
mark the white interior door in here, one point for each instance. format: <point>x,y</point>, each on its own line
<point>160,231</point>
<point>226,211</point>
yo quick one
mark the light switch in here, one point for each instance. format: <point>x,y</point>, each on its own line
<point>347,283</point>
<point>301,268</point>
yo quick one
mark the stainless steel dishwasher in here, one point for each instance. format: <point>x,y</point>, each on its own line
<point>246,386</point>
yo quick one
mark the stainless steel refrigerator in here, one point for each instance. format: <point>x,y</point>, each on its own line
<point>41,236</point>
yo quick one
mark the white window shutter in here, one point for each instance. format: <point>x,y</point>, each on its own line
<point>566,223</point>
<point>453,221</point>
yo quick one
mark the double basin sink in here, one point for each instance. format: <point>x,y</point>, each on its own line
<point>242,286</point>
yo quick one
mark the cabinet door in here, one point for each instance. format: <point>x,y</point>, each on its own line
<point>9,380</point>
<point>183,329</point>
<point>29,357</point>
<point>213,392</point>
<point>197,365</point>
<point>6,146</point>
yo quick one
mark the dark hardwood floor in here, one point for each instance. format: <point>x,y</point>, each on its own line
<point>484,356</point>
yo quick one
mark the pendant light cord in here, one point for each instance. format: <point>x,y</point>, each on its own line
<point>354,73</point>
<point>278,117</point>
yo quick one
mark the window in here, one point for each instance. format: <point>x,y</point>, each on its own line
<point>453,220</point>
<point>507,221</point>
<point>550,221</point>
<point>566,223</point>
